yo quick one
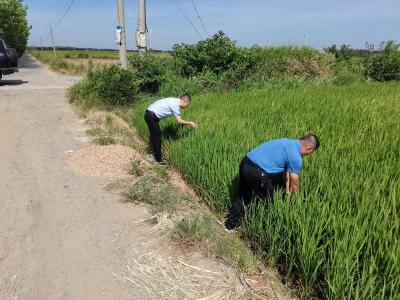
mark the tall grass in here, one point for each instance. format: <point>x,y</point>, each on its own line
<point>339,236</point>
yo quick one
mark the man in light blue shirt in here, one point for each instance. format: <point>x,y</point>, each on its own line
<point>162,109</point>
<point>276,164</point>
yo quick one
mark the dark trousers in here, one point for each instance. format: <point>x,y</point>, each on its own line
<point>254,184</point>
<point>155,133</point>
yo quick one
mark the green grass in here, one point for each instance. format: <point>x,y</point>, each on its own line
<point>136,168</point>
<point>152,190</point>
<point>200,231</point>
<point>339,236</point>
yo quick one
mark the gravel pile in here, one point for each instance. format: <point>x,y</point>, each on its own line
<point>109,161</point>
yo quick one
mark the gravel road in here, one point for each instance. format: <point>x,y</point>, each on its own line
<point>61,235</point>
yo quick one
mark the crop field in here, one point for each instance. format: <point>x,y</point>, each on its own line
<point>93,54</point>
<point>339,237</point>
<point>77,62</point>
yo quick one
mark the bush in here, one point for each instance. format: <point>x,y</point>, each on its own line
<point>384,66</point>
<point>14,27</point>
<point>106,86</point>
<point>177,85</point>
<point>150,71</point>
<point>216,54</point>
<point>217,64</point>
<point>83,55</point>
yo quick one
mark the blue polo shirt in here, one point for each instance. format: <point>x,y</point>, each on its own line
<point>278,156</point>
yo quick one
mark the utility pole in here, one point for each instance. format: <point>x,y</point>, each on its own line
<point>52,39</point>
<point>306,39</point>
<point>141,31</point>
<point>122,42</point>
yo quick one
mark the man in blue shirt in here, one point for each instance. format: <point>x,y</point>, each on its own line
<point>162,109</point>
<point>271,166</point>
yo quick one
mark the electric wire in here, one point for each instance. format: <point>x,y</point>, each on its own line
<point>71,4</point>
<point>187,18</point>
<point>201,20</point>
<point>66,9</point>
<point>63,5</point>
<point>133,7</point>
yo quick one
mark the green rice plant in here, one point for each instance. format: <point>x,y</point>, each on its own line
<point>338,237</point>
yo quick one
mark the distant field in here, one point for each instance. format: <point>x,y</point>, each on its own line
<point>94,54</point>
<point>76,62</point>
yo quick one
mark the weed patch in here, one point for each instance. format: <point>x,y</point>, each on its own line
<point>152,190</point>
<point>200,231</point>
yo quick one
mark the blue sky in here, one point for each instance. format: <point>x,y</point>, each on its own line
<point>91,23</point>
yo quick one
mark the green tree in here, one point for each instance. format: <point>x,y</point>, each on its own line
<point>14,27</point>
<point>215,54</point>
<point>385,65</point>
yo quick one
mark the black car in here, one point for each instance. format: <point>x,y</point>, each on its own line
<point>8,60</point>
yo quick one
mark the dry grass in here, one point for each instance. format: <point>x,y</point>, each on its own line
<point>169,278</point>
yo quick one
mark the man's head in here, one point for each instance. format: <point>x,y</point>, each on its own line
<point>185,101</point>
<point>309,143</point>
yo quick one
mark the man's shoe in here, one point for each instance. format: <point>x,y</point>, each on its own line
<point>162,162</point>
<point>233,230</point>
<point>150,158</point>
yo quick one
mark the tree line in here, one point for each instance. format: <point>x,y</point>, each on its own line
<point>14,28</point>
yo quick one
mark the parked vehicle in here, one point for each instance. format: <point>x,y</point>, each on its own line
<point>8,60</point>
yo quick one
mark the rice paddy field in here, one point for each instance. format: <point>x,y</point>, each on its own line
<point>339,237</point>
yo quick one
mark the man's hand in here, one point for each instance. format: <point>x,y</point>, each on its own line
<point>183,122</point>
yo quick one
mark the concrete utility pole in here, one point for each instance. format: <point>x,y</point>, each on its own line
<point>141,31</point>
<point>122,43</point>
<point>52,39</point>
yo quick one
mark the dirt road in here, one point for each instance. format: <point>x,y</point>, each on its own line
<point>61,235</point>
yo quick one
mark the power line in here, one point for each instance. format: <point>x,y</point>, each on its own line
<point>71,4</point>
<point>66,7</point>
<point>201,21</point>
<point>63,5</point>
<point>133,7</point>
<point>187,18</point>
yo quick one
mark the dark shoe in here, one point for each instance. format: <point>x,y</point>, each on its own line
<point>230,227</point>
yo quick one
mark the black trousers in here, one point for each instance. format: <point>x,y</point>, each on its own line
<point>254,184</point>
<point>155,133</point>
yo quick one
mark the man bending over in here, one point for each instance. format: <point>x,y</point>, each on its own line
<point>162,109</point>
<point>271,166</point>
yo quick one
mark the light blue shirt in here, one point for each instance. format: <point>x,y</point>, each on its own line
<point>166,107</point>
<point>278,156</point>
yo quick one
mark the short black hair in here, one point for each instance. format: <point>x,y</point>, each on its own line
<point>187,96</point>
<point>312,139</point>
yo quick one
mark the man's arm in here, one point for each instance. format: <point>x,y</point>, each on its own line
<point>183,122</point>
<point>287,182</point>
<point>294,182</point>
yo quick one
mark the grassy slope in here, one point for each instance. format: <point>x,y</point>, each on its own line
<point>339,236</point>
